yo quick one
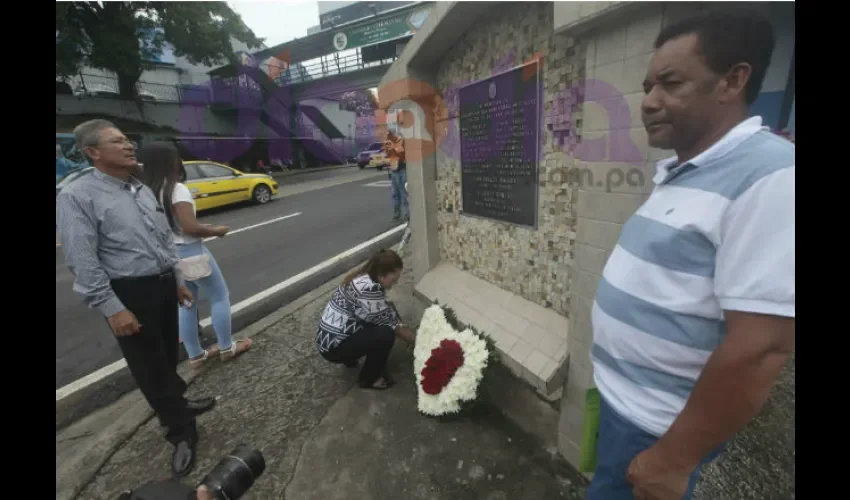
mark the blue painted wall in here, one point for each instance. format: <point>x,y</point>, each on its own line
<point>769,106</point>
<point>769,102</point>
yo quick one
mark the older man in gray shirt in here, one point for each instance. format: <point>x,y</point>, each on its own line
<point>119,247</point>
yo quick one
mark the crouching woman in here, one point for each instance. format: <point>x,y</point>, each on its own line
<point>358,321</point>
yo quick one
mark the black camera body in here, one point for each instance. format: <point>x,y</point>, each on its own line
<point>228,480</point>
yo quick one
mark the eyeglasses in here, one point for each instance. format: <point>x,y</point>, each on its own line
<point>118,141</point>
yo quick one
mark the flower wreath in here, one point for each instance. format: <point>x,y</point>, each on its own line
<point>450,361</point>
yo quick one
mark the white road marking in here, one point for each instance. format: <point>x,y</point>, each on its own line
<point>378,184</point>
<point>235,231</point>
<point>63,276</point>
<point>96,376</point>
<point>305,274</point>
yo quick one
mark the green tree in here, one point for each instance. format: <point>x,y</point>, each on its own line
<point>111,36</point>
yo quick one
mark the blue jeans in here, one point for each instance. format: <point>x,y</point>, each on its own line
<point>215,289</point>
<point>398,179</point>
<point>619,442</point>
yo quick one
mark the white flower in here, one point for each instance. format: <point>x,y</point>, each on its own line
<point>463,386</point>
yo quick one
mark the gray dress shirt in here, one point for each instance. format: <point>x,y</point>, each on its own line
<point>111,229</point>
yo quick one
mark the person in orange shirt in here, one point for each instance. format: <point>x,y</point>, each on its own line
<point>394,147</point>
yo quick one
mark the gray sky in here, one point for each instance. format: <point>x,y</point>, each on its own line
<point>278,21</point>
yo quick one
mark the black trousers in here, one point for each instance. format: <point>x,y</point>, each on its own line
<point>373,341</point>
<point>152,353</point>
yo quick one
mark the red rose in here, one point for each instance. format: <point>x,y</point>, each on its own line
<point>441,366</point>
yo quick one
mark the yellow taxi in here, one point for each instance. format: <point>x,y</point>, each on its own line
<point>216,185</point>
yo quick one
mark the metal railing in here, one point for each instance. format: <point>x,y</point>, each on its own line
<point>239,89</point>
<point>312,70</point>
<point>323,67</point>
<point>244,91</point>
<point>306,128</point>
<point>107,86</point>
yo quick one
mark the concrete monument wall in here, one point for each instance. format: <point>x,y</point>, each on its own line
<point>617,54</point>
<point>508,280</point>
<point>531,263</point>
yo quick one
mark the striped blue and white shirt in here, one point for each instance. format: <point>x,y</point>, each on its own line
<point>717,233</point>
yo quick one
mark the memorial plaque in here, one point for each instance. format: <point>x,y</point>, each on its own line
<point>499,145</point>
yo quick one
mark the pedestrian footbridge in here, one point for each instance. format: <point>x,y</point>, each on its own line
<point>280,83</point>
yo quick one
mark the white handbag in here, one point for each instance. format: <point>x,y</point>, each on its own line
<point>195,267</point>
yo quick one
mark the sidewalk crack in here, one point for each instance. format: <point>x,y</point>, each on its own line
<point>79,436</point>
<point>108,455</point>
<point>307,440</point>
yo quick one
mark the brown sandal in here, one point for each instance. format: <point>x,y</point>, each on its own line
<point>238,347</point>
<point>198,362</point>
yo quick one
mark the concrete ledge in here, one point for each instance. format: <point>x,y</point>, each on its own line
<point>93,395</point>
<point>578,18</point>
<point>531,339</point>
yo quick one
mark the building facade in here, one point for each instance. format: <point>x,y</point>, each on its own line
<point>164,81</point>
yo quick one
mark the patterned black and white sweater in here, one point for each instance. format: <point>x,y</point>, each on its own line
<point>351,306</point>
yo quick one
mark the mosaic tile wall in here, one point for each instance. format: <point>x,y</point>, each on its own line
<point>534,264</point>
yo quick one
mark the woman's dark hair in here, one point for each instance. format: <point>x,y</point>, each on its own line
<point>729,36</point>
<point>382,263</point>
<point>160,159</point>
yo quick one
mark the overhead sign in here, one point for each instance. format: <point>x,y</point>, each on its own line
<point>354,11</point>
<point>384,30</point>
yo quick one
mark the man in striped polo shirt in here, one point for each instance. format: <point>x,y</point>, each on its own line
<point>694,314</point>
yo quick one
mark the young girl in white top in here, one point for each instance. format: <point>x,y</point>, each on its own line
<point>164,174</point>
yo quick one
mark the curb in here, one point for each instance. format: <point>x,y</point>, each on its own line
<point>77,469</point>
<point>75,405</point>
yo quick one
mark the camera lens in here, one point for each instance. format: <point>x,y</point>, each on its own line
<point>235,473</point>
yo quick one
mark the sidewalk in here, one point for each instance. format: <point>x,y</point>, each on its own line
<point>323,438</point>
<point>343,177</point>
<point>299,171</point>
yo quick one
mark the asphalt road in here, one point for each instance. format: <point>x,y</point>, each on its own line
<point>331,220</point>
<point>301,176</point>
